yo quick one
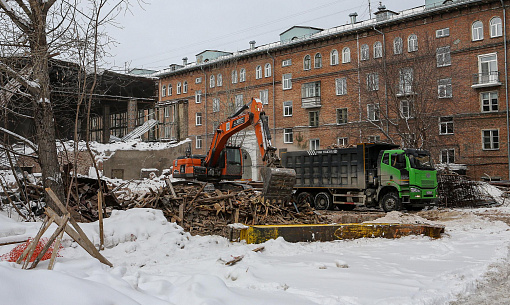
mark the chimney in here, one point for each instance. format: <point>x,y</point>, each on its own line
<point>252,45</point>
<point>353,17</point>
<point>185,61</point>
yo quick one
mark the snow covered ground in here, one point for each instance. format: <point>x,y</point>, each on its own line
<point>155,262</point>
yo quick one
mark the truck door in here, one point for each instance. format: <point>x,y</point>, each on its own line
<point>391,166</point>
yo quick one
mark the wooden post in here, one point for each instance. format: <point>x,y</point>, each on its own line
<point>56,248</point>
<point>100,213</point>
<point>169,183</point>
<point>46,224</point>
<point>60,229</point>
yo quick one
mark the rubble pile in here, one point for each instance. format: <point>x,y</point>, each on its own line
<point>209,211</point>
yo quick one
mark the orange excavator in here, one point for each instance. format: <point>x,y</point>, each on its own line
<point>224,162</point>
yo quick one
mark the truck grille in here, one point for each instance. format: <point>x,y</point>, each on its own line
<point>428,184</point>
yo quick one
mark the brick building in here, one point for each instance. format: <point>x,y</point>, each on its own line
<point>432,77</point>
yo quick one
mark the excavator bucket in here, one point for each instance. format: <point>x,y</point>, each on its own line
<point>278,183</point>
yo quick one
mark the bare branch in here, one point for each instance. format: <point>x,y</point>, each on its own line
<point>23,24</point>
<point>19,137</point>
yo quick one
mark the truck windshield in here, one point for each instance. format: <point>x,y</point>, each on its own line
<point>420,160</point>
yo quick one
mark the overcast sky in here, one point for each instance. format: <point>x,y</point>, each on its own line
<point>162,32</point>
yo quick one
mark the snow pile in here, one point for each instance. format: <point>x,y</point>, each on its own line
<point>156,262</point>
<point>398,217</point>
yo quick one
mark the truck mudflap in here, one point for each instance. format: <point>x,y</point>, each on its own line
<point>278,183</point>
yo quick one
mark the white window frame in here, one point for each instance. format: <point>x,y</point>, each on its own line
<point>346,55</point>
<point>446,125</point>
<point>449,154</point>
<point>166,111</point>
<point>169,90</point>
<point>234,76</point>
<point>287,62</point>
<point>267,70</point>
<point>398,45</point>
<point>477,31</point>
<point>445,32</point>
<point>443,56</point>
<point>342,141</point>
<point>163,91</point>
<point>342,116</point>
<point>258,72</point>
<point>365,52</point>
<point>287,81</point>
<point>211,81</point>
<point>198,142</point>
<point>374,138</point>
<point>198,80</point>
<point>179,87</point>
<point>378,50</point>
<point>198,96</point>
<point>317,61</point>
<point>242,75</point>
<point>216,105</point>
<point>444,88</point>
<point>406,109</point>
<point>288,136</point>
<point>198,119</point>
<point>488,101</point>
<point>373,112</point>
<point>405,84</point>
<point>219,80</point>
<point>488,62</point>
<point>315,144</point>
<point>264,96</point>
<point>185,87</point>
<point>307,62</point>
<point>373,81</point>
<point>287,108</point>
<point>412,43</point>
<point>333,58</point>
<point>496,29</point>
<point>493,145</point>
<point>314,119</point>
<point>341,86</point>
<point>239,101</point>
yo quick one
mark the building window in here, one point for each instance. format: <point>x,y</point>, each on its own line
<point>239,101</point>
<point>198,80</point>
<point>267,70</point>
<point>258,72</point>
<point>365,53</point>
<point>288,136</point>
<point>447,156</point>
<point>179,86</point>
<point>333,59</point>
<point>216,105</point>
<point>489,101</point>
<point>169,89</point>
<point>373,82</point>
<point>443,56</point>
<point>312,89</point>
<point>287,81</point>
<point>317,61</point>
<point>443,33</point>
<point>377,49</point>
<point>167,111</point>
<point>405,84</point>
<point>444,88</point>
<point>490,139</point>
<point>163,91</point>
<point>211,81</point>
<point>488,68</point>
<point>477,31</point>
<point>219,80</point>
<point>343,141</point>
<point>446,125</point>
<point>341,86</point>
<point>374,139</point>
<point>198,142</point>
<point>234,76</point>
<point>264,96</point>
<point>198,96</point>
<point>315,144</point>
<point>406,109</point>
<point>341,116</point>
<point>346,55</point>
<point>287,62</point>
<point>198,119</point>
<point>373,112</point>
<point>313,117</point>
<point>287,108</point>
<point>185,87</point>
<point>412,43</point>
<point>397,45</point>
<point>307,62</point>
<point>242,75</point>
<point>496,29</point>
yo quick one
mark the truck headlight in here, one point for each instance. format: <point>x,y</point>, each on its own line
<point>415,190</point>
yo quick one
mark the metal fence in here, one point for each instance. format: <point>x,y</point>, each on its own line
<point>457,191</point>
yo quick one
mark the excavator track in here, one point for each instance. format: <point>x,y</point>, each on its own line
<point>278,183</point>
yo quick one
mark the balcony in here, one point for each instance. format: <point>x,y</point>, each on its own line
<point>311,102</point>
<point>482,80</point>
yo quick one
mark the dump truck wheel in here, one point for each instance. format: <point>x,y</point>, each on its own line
<point>322,201</point>
<point>391,202</point>
<point>304,200</point>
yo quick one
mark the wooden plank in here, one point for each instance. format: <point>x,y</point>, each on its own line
<point>45,225</point>
<point>56,248</point>
<point>171,187</point>
<point>53,236</point>
<point>100,213</point>
<point>13,242</point>
<point>214,199</point>
<point>196,196</point>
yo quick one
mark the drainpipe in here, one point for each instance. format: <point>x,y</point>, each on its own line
<point>205,105</point>
<point>359,87</point>
<point>506,88</point>
<point>274,109</point>
<point>385,81</point>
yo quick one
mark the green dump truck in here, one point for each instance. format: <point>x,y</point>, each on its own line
<point>370,174</point>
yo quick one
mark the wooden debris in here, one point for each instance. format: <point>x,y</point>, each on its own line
<point>235,260</point>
